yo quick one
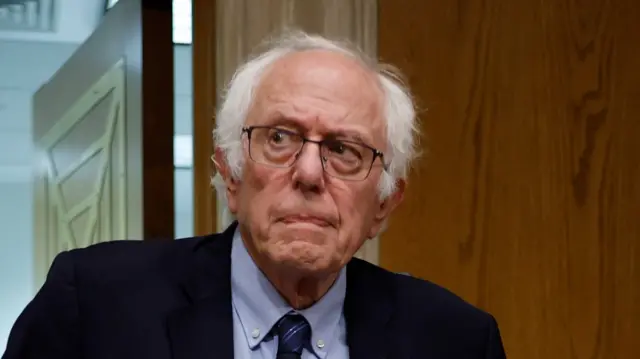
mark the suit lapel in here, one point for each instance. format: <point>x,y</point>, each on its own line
<point>204,328</point>
<point>368,308</point>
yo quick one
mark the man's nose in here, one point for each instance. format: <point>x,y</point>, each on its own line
<point>308,173</point>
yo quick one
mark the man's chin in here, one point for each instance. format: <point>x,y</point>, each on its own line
<point>303,247</point>
<point>304,263</point>
<point>304,239</point>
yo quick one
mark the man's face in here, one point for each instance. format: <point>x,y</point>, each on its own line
<point>300,216</point>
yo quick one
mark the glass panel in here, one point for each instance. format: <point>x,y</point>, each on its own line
<point>183,141</point>
<point>110,3</point>
<point>183,161</point>
<point>181,20</point>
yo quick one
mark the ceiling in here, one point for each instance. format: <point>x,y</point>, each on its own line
<point>49,20</point>
<point>71,20</point>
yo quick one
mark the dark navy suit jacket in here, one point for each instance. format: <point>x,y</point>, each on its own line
<point>161,300</point>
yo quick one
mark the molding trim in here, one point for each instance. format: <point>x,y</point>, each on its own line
<point>104,204</point>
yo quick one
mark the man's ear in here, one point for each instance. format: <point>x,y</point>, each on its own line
<point>386,207</point>
<point>231,184</point>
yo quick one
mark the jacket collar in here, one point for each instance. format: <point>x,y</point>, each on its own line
<point>204,328</point>
<point>368,309</point>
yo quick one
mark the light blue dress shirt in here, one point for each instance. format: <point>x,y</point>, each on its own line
<point>257,306</point>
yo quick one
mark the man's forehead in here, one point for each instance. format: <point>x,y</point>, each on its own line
<point>332,76</point>
<point>342,96</point>
<point>323,63</point>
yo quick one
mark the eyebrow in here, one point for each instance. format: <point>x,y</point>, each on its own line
<point>278,118</point>
<point>348,134</point>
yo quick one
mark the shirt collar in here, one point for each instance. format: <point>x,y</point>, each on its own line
<point>259,305</point>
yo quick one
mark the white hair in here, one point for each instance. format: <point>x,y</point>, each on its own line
<point>400,114</point>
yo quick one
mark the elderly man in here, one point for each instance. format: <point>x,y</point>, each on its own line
<point>313,143</point>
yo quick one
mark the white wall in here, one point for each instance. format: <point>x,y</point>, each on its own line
<point>24,67</point>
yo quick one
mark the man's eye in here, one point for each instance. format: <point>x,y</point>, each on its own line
<point>278,136</point>
<point>344,150</point>
<point>337,147</point>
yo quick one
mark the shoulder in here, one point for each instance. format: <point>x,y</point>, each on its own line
<point>127,259</point>
<point>422,300</point>
<point>426,300</point>
<point>424,313</point>
<point>454,326</point>
<point>127,253</point>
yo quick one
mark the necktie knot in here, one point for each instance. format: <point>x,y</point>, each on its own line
<point>294,333</point>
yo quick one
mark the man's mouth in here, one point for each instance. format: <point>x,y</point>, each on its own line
<point>318,221</point>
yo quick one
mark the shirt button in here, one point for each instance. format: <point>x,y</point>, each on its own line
<point>255,333</point>
<point>320,343</point>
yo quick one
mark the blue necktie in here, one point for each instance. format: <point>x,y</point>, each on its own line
<point>294,333</point>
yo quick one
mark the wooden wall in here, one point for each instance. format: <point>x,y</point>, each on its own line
<point>527,202</point>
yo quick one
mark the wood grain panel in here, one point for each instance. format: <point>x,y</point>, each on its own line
<point>204,104</point>
<point>527,200</point>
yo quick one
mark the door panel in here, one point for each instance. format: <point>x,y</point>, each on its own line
<point>103,131</point>
<point>84,156</point>
<point>526,201</point>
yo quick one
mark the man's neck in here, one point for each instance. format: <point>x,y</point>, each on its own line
<point>300,292</point>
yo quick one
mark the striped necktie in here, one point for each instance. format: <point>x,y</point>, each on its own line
<point>294,333</point>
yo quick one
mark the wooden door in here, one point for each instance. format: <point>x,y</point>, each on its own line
<point>527,200</point>
<point>103,130</point>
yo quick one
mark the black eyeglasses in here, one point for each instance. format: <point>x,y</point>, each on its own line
<point>342,159</point>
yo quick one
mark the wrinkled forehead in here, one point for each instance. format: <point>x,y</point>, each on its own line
<point>333,88</point>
